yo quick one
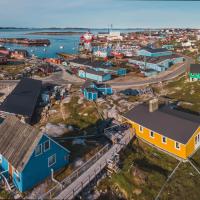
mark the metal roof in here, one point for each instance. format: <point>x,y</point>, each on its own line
<point>17,141</point>
<point>174,124</point>
<point>195,68</point>
<point>22,100</point>
<point>156,50</point>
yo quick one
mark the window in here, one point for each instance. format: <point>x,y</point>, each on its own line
<point>141,129</point>
<point>0,158</point>
<point>151,134</point>
<point>51,160</point>
<point>17,175</point>
<point>38,150</point>
<point>46,145</point>
<point>177,145</point>
<point>164,140</point>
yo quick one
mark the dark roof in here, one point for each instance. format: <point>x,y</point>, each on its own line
<point>87,84</point>
<point>3,48</point>
<point>93,90</point>
<point>91,71</point>
<point>17,141</point>
<point>22,100</point>
<point>174,124</point>
<point>195,68</point>
<point>156,50</point>
<point>155,60</point>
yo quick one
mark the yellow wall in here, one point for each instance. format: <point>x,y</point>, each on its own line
<point>190,146</point>
<point>157,141</point>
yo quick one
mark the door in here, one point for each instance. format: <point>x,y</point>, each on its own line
<point>10,168</point>
<point>197,141</point>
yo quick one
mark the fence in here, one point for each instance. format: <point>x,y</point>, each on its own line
<point>68,180</point>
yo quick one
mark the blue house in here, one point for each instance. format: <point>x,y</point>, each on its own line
<point>91,74</point>
<point>27,156</point>
<point>154,52</point>
<point>92,91</point>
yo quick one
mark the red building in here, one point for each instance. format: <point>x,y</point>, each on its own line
<point>19,54</point>
<point>56,61</point>
<point>4,51</point>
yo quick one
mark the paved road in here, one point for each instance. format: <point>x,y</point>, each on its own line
<point>175,73</point>
<point>64,78</point>
<point>76,187</point>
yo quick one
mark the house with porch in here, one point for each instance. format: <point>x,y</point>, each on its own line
<point>27,155</point>
<point>92,90</point>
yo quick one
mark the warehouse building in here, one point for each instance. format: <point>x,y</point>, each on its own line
<point>22,100</point>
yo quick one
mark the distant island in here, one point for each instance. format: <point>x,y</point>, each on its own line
<point>56,33</point>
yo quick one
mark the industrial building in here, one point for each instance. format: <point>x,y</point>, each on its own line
<point>154,52</point>
<point>98,66</point>
<point>22,100</point>
<point>91,74</point>
<point>153,65</point>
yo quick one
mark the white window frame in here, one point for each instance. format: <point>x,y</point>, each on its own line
<point>40,145</point>
<point>152,132</point>
<point>165,140</point>
<point>49,165</point>
<point>141,128</point>
<point>178,145</point>
<point>45,150</point>
<point>17,174</point>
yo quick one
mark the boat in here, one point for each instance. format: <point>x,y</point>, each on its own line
<point>61,47</point>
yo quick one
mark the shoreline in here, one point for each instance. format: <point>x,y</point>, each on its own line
<point>55,33</point>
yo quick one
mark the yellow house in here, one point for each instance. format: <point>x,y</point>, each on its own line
<point>173,131</point>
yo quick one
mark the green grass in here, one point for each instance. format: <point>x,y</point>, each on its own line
<point>184,184</point>
<point>142,173</point>
<point>145,169</point>
<point>5,195</point>
<point>184,91</point>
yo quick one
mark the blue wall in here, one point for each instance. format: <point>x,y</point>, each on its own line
<point>37,170</point>
<point>92,96</point>
<point>143,52</point>
<point>98,78</point>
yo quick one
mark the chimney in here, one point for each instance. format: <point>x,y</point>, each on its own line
<point>153,105</point>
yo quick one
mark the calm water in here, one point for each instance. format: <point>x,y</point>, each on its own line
<point>69,42</point>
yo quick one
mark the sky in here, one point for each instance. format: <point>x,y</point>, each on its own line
<point>99,13</point>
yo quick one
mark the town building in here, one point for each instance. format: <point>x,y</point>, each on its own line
<point>194,72</point>
<point>19,54</point>
<point>154,52</point>
<point>168,47</point>
<point>91,74</point>
<point>173,131</point>
<point>99,66</point>
<point>23,100</point>
<point>27,156</point>
<point>4,51</point>
<point>92,90</point>
<point>154,65</point>
<point>3,59</point>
